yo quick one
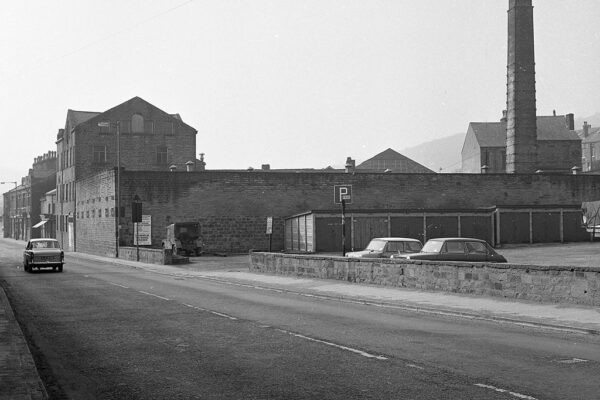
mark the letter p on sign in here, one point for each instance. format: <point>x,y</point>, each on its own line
<point>342,192</point>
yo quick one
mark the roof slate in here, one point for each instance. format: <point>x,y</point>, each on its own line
<point>397,161</point>
<point>493,134</point>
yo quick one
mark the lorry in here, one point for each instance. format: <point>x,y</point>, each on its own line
<point>183,238</point>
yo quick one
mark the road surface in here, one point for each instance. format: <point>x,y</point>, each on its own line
<point>100,330</point>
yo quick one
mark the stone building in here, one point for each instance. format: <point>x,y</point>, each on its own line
<point>47,225</point>
<point>392,161</point>
<point>134,135</point>
<point>590,148</point>
<point>22,213</point>
<point>558,146</point>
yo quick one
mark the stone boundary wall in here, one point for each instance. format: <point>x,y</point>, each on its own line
<point>150,256</point>
<point>550,284</point>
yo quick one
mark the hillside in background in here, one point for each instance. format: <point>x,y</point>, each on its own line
<point>441,153</point>
<point>593,120</point>
<point>444,153</point>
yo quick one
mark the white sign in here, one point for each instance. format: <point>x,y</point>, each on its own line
<point>142,231</point>
<point>269,225</point>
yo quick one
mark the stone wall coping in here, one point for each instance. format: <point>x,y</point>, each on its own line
<point>399,262</point>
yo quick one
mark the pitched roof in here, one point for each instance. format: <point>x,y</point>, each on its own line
<point>592,137</point>
<point>489,134</point>
<point>395,162</point>
<point>493,134</point>
<point>75,118</point>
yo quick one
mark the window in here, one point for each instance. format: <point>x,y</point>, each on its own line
<point>137,123</point>
<point>100,154</point>
<point>476,247</point>
<point>455,247</point>
<point>162,155</point>
<point>149,126</point>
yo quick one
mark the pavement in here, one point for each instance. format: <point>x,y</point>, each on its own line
<point>19,378</point>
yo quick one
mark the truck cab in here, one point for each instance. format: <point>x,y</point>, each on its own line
<point>183,238</point>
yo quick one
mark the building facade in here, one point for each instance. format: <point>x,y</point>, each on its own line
<point>22,204</point>
<point>559,148</point>
<point>590,148</point>
<point>135,135</point>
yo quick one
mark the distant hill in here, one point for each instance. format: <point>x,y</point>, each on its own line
<point>441,153</point>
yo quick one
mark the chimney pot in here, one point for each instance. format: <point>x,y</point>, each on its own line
<point>266,167</point>
<point>350,164</point>
<point>189,166</point>
<point>484,169</point>
<point>570,120</point>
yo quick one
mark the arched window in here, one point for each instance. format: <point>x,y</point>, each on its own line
<point>137,123</point>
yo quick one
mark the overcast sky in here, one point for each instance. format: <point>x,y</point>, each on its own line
<point>292,83</point>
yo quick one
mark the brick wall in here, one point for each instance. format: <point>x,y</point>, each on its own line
<point>578,285</point>
<point>232,206</point>
<point>558,155</point>
<point>95,215</point>
<point>242,200</point>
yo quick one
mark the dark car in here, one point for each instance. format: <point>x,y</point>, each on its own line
<point>386,247</point>
<point>456,249</point>
<point>43,253</point>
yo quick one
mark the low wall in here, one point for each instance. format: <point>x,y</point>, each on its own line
<point>555,284</point>
<point>150,256</point>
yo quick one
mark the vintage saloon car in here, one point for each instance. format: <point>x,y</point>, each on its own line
<point>43,253</point>
<point>386,247</point>
<point>456,249</point>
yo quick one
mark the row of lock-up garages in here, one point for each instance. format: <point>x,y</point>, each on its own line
<point>319,231</point>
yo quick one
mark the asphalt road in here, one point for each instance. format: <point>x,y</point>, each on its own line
<point>101,331</point>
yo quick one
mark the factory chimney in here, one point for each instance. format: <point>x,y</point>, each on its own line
<point>521,128</point>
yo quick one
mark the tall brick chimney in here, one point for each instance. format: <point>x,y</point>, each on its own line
<point>521,128</point>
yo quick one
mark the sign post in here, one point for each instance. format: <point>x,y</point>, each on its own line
<point>136,217</point>
<point>270,231</point>
<point>342,194</point>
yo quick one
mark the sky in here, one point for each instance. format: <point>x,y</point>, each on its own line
<point>293,84</point>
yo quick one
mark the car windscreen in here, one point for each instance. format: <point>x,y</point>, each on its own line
<point>412,247</point>
<point>376,245</point>
<point>432,246</point>
<point>45,244</point>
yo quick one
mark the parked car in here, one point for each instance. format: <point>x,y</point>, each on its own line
<point>456,249</point>
<point>43,253</point>
<point>386,247</point>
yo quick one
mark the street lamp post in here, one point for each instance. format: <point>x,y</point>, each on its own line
<point>118,189</point>
<point>12,227</point>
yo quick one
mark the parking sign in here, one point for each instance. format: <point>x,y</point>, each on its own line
<point>342,192</point>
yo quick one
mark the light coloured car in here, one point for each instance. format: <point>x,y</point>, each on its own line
<point>43,253</point>
<point>386,247</point>
<point>456,249</point>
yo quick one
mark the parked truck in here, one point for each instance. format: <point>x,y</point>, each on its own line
<point>184,238</point>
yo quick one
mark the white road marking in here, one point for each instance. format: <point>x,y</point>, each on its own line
<point>573,361</point>
<point>211,311</point>
<point>515,394</point>
<point>414,366</point>
<point>152,294</point>
<point>116,284</point>
<point>360,352</point>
